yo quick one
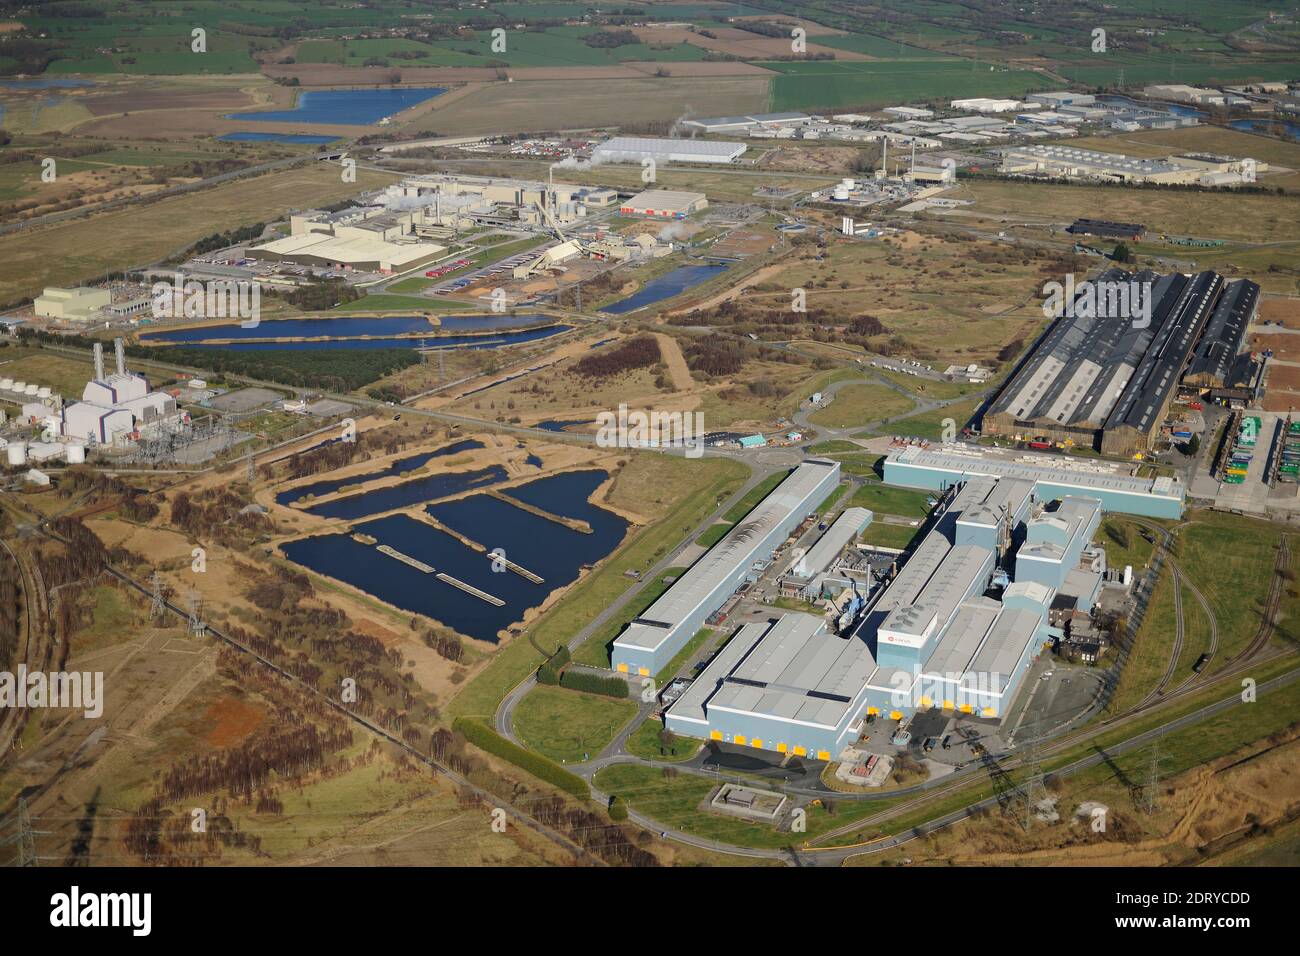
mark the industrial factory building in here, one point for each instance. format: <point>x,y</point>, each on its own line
<point>1116,485</point>
<point>955,629</point>
<point>743,124</point>
<point>1105,377</point>
<point>636,149</point>
<point>117,407</point>
<point>1067,162</point>
<point>664,204</point>
<point>75,305</point>
<point>651,641</point>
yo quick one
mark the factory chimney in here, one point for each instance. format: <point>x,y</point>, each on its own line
<point>119,350</point>
<point>99,361</point>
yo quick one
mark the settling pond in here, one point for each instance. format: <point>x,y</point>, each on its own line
<point>547,548</point>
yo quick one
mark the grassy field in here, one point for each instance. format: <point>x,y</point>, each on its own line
<point>1122,539</point>
<point>856,405</point>
<point>674,800</point>
<point>933,424</point>
<point>1149,657</point>
<point>892,501</point>
<point>694,489</point>
<point>66,376</point>
<point>1217,215</point>
<point>69,252</point>
<point>644,742</point>
<point>570,104</point>
<point>889,535</point>
<point>813,85</point>
<point>569,726</point>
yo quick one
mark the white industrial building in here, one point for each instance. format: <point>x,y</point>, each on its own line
<point>77,305</point>
<point>664,204</point>
<point>116,407</point>
<point>636,149</point>
<point>741,124</point>
<point>982,104</point>
<point>653,638</point>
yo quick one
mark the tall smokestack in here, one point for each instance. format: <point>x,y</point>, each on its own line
<point>99,361</point>
<point>119,350</point>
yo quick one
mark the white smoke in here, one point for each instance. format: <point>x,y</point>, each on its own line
<point>674,230</point>
<point>573,162</point>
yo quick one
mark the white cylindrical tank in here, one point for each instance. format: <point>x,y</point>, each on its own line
<point>76,454</point>
<point>19,386</point>
<point>31,389</point>
<point>6,383</point>
<point>841,193</point>
<point>16,454</point>
<point>848,183</point>
<point>44,392</point>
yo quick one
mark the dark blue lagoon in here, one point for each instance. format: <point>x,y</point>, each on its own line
<point>492,341</point>
<point>347,107</point>
<point>565,495</point>
<point>399,467</point>
<point>665,287</point>
<point>298,328</point>
<point>408,493</point>
<point>248,136</point>
<point>547,548</point>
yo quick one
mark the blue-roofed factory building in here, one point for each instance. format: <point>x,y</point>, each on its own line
<point>652,640</point>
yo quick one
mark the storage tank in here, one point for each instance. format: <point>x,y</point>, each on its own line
<point>44,392</point>
<point>31,389</point>
<point>76,454</point>
<point>19,386</point>
<point>6,383</point>
<point>848,184</point>
<point>841,194</point>
<point>16,454</point>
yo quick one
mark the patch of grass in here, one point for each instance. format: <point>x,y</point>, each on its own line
<point>889,535</point>
<point>932,424</point>
<point>568,726</point>
<point>890,500</point>
<point>645,742</point>
<point>834,447</point>
<point>857,405</point>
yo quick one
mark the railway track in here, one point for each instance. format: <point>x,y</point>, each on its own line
<point>1276,588</point>
<point>1194,677</point>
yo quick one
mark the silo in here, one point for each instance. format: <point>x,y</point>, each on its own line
<point>6,383</point>
<point>31,389</point>
<point>76,454</point>
<point>841,193</point>
<point>44,392</point>
<point>16,453</point>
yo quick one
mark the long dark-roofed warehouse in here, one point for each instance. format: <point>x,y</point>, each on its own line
<point>1108,368</point>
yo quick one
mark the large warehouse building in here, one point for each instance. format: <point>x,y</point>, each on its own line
<point>940,467</point>
<point>1105,377</point>
<point>1068,162</point>
<point>636,149</point>
<point>664,204</point>
<point>950,631</point>
<point>651,641</point>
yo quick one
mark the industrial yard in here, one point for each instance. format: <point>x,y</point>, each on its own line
<point>584,438</point>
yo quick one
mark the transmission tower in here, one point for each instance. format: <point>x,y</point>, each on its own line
<point>248,466</point>
<point>1031,791</point>
<point>157,606</point>
<point>195,622</point>
<point>1147,797</point>
<point>25,837</point>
